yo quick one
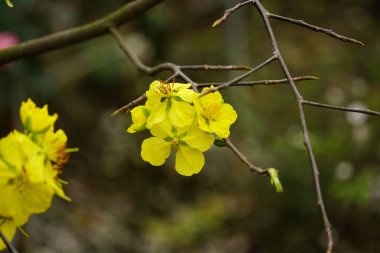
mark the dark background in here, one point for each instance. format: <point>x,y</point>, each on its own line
<point>122,204</point>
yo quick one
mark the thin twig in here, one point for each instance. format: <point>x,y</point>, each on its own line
<point>315,28</point>
<point>341,108</point>
<point>244,159</point>
<point>263,82</point>
<point>127,107</point>
<point>228,12</point>
<point>214,67</point>
<point>264,14</point>
<point>9,245</point>
<point>241,77</point>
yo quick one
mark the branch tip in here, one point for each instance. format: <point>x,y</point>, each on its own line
<point>217,22</point>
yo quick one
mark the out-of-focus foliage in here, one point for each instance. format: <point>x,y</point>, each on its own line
<point>121,204</point>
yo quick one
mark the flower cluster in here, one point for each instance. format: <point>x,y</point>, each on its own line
<point>182,120</point>
<point>30,163</point>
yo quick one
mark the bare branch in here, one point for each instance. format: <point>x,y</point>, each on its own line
<point>228,12</point>
<point>276,52</point>
<point>78,34</point>
<point>10,247</point>
<point>127,107</point>
<point>315,28</point>
<point>241,77</point>
<point>215,67</point>
<point>262,82</point>
<point>244,159</point>
<point>341,108</point>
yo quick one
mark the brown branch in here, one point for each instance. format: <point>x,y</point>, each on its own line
<point>78,34</point>
<point>10,247</point>
<point>276,52</point>
<point>315,28</point>
<point>214,67</point>
<point>241,77</point>
<point>127,107</point>
<point>341,108</point>
<point>228,12</point>
<point>263,82</point>
<point>244,159</point>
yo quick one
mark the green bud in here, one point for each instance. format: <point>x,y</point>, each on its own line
<point>219,142</point>
<point>274,179</point>
<point>9,3</point>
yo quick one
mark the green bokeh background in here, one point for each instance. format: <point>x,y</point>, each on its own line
<point>122,204</point>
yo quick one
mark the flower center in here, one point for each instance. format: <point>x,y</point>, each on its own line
<point>175,141</point>
<point>211,110</point>
<point>165,89</point>
<point>21,183</point>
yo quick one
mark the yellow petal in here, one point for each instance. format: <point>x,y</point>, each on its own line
<point>213,97</point>
<point>181,86</point>
<point>189,161</point>
<point>186,95</point>
<point>38,198</point>
<point>181,114</point>
<point>158,114</point>
<point>196,138</point>
<point>12,152</point>
<point>152,100</point>
<point>228,113</point>
<point>154,85</point>
<point>162,130</point>
<point>139,116</point>
<point>155,151</point>
<point>220,127</point>
<point>204,124</point>
<point>34,168</point>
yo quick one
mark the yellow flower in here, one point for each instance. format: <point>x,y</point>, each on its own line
<point>8,228</point>
<point>175,104</point>
<point>23,178</point>
<point>214,116</point>
<point>35,119</point>
<point>189,142</point>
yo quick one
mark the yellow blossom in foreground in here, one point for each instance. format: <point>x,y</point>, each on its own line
<point>35,119</point>
<point>23,187</point>
<point>30,164</point>
<point>214,116</point>
<point>174,104</point>
<point>189,142</point>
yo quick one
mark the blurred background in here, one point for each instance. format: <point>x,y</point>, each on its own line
<point>122,204</point>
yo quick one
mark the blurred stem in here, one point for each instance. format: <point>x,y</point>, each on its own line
<point>78,34</point>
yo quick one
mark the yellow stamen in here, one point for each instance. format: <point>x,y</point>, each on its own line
<point>165,89</point>
<point>211,110</point>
